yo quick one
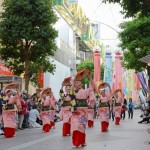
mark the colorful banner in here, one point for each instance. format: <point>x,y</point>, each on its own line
<point>72,2</point>
<point>142,80</point>
<point>118,73</point>
<point>96,66</point>
<point>95,31</point>
<point>108,68</point>
<point>41,80</point>
<point>85,32</point>
<point>130,80</point>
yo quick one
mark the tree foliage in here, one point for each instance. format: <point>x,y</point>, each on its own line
<point>135,42</point>
<point>133,8</point>
<point>27,36</point>
<point>89,64</point>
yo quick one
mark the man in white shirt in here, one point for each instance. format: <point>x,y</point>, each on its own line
<point>33,115</point>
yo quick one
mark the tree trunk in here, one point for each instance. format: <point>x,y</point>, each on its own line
<point>26,74</point>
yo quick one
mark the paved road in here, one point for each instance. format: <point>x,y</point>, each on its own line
<point>128,136</point>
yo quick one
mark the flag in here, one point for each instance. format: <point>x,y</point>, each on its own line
<point>108,68</point>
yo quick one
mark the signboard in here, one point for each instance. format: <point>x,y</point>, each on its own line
<point>72,2</point>
<point>4,70</point>
<point>95,31</point>
<point>85,32</point>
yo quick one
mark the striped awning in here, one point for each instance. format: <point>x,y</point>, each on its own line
<point>145,59</point>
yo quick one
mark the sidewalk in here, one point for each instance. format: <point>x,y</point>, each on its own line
<point>129,135</point>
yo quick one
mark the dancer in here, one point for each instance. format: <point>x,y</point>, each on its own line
<point>91,103</point>
<point>118,105</point>
<point>80,115</point>
<point>45,112</point>
<point>65,113</point>
<point>103,110</point>
<point>9,110</point>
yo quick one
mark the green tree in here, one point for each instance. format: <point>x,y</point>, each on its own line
<point>133,8</point>
<point>89,64</point>
<point>135,37</point>
<point>27,37</point>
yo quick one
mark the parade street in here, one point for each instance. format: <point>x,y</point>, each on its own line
<point>129,135</point>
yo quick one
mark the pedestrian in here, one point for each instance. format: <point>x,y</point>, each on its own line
<point>124,108</point>
<point>33,115</point>
<point>130,108</point>
<point>111,114</point>
<point>103,110</point>
<point>65,113</point>
<point>22,112</point>
<point>146,117</point>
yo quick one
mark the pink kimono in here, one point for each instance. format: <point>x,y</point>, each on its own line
<point>46,116</point>
<point>53,103</point>
<point>78,125</point>
<point>103,113</point>
<point>9,117</point>
<point>91,102</point>
<point>117,110</point>
<point>78,122</point>
<point>65,115</point>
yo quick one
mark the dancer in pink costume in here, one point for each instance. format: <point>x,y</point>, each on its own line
<point>45,113</point>
<point>91,102</point>
<point>118,105</point>
<point>9,112</point>
<point>78,128</point>
<point>103,110</point>
<point>65,113</point>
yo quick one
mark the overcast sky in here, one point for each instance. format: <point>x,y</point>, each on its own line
<point>109,14</point>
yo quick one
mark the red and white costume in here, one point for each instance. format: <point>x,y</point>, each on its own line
<point>9,116</point>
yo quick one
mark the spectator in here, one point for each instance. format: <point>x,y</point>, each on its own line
<point>33,115</point>
<point>146,117</point>
<point>111,115</point>
<point>130,108</point>
<point>22,112</point>
<point>124,107</point>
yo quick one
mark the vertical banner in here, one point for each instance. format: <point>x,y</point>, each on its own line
<point>72,2</point>
<point>41,80</point>
<point>108,68</point>
<point>96,66</point>
<point>130,80</point>
<point>118,73</point>
<point>95,31</point>
<point>85,32</point>
<point>58,2</point>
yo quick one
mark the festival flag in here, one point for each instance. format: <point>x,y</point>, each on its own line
<point>108,68</point>
<point>118,73</point>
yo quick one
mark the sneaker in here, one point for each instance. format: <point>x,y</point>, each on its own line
<point>21,128</point>
<point>139,122</point>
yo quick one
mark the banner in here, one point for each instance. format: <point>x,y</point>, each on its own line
<point>85,32</point>
<point>143,81</point>
<point>108,68</point>
<point>72,2</point>
<point>95,31</point>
